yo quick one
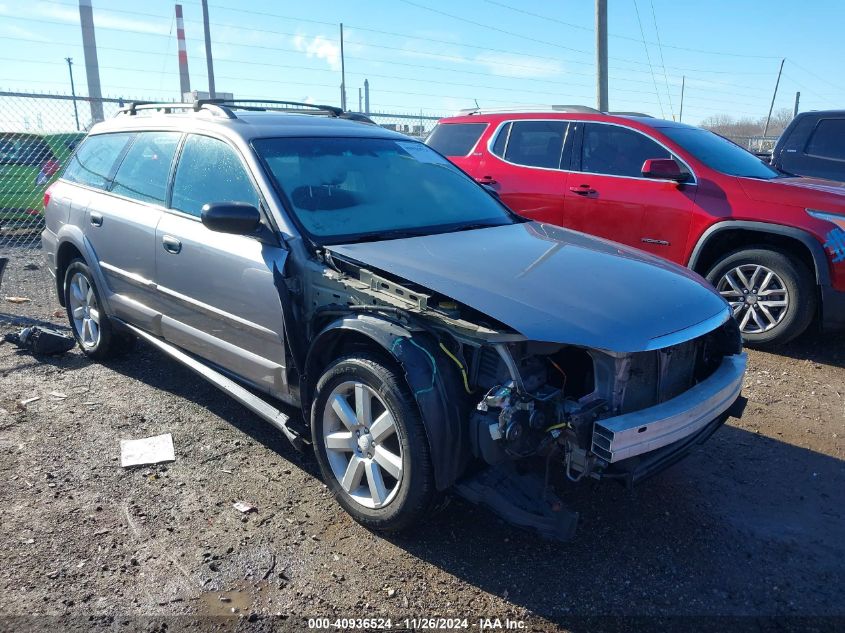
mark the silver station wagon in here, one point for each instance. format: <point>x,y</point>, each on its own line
<point>434,341</point>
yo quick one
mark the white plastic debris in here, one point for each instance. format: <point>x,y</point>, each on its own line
<point>150,450</point>
<point>243,506</point>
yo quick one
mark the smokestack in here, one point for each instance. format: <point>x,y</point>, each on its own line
<point>92,67</point>
<point>366,96</point>
<point>184,78</point>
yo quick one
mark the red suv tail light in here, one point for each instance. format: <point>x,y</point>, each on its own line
<point>47,195</point>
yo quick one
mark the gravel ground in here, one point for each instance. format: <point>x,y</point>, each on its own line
<point>750,524</point>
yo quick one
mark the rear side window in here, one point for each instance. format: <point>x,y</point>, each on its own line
<point>209,170</point>
<point>501,141</point>
<point>828,140</point>
<point>143,173</point>
<point>617,151</point>
<point>536,143</point>
<point>24,150</point>
<point>92,164</point>
<point>455,139</point>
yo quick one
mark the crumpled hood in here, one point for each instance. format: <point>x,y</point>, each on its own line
<point>551,284</point>
<point>814,192</point>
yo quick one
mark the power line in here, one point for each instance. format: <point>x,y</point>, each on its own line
<point>662,62</point>
<point>626,37</point>
<point>648,57</point>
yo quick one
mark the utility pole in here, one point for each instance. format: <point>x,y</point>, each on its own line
<point>772,106</point>
<point>342,72</point>
<point>184,77</point>
<point>69,61</point>
<point>209,63</point>
<point>683,85</point>
<point>601,55</point>
<point>797,100</point>
<point>92,67</point>
<point>366,96</point>
<point>360,102</point>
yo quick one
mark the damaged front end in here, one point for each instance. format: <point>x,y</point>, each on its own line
<point>488,396</point>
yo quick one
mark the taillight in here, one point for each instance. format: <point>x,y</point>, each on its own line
<point>47,195</point>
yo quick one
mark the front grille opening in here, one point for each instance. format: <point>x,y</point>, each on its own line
<point>577,366</point>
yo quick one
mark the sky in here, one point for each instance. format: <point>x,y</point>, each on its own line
<point>436,57</point>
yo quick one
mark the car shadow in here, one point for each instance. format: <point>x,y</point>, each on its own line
<point>826,348</point>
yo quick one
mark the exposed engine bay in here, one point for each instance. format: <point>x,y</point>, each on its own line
<point>533,399</point>
<point>561,395</point>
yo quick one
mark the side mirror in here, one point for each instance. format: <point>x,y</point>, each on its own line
<point>663,169</point>
<point>238,218</point>
<point>488,187</point>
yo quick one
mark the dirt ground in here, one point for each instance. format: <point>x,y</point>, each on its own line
<point>749,525</point>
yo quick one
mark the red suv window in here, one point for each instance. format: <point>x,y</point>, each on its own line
<point>455,139</point>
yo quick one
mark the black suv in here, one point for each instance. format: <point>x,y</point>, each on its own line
<point>813,145</point>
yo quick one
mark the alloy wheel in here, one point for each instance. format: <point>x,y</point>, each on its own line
<point>757,295</point>
<point>84,310</point>
<point>362,444</point>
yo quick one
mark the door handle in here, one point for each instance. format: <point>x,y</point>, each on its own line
<point>171,244</point>
<point>582,190</point>
<point>486,180</point>
<point>96,219</point>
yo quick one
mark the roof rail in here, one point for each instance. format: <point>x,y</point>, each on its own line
<point>532,108</point>
<point>297,105</point>
<point>630,114</point>
<point>226,108</point>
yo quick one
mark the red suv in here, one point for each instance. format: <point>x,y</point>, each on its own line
<point>772,245</point>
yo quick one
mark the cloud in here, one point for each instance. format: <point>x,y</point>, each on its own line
<point>319,47</point>
<point>511,65</point>
<point>13,30</point>
<point>101,20</point>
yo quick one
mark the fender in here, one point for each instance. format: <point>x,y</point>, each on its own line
<point>433,379</point>
<point>822,269</point>
<point>73,235</point>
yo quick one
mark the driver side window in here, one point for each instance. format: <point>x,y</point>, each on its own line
<point>209,170</point>
<point>617,151</point>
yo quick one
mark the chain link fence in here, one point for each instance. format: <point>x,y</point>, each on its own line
<point>38,133</point>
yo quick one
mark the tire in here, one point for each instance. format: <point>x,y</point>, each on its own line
<point>399,453</point>
<point>91,326</point>
<point>764,320</point>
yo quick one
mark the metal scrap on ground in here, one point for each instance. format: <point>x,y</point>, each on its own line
<point>150,450</point>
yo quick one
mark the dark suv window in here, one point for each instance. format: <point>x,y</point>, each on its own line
<point>617,151</point>
<point>93,163</point>
<point>143,173</point>
<point>24,150</point>
<point>209,170</point>
<point>828,140</point>
<point>455,139</point>
<point>534,143</point>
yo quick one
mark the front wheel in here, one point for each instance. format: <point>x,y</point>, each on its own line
<point>371,443</point>
<point>773,296</point>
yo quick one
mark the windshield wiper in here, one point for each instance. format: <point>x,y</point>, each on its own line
<point>377,236</point>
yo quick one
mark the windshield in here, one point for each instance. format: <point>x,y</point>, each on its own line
<point>343,189</point>
<point>719,153</point>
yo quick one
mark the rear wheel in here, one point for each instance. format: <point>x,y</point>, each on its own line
<point>91,326</point>
<point>773,297</point>
<point>371,444</point>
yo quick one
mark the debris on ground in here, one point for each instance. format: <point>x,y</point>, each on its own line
<point>18,299</point>
<point>244,507</point>
<point>150,450</point>
<point>22,404</point>
<point>42,341</point>
<point>58,395</point>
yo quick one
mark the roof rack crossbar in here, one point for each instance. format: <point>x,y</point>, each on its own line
<point>134,107</point>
